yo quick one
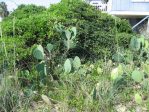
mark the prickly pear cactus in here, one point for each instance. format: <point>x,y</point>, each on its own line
<point>41,68</point>
<point>49,47</point>
<point>70,37</point>
<point>69,44</point>
<point>38,52</point>
<point>74,32</point>
<point>135,44</point>
<point>67,66</point>
<point>68,34</point>
<point>76,63</point>
<point>137,76</point>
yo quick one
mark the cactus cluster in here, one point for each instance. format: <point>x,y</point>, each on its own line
<point>39,54</point>
<point>139,49</point>
<point>69,35</point>
<point>137,44</point>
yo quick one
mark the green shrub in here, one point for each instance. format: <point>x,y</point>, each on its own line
<point>25,11</point>
<point>96,30</point>
<point>124,39</point>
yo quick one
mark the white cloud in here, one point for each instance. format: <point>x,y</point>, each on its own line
<point>12,4</point>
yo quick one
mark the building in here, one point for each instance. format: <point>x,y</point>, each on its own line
<point>136,11</point>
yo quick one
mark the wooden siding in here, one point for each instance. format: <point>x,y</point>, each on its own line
<point>128,5</point>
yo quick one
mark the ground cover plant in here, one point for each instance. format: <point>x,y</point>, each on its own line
<point>71,58</point>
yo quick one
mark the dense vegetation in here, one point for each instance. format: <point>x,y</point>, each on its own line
<point>71,57</point>
<point>36,24</point>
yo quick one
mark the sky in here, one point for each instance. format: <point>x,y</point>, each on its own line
<point>12,4</point>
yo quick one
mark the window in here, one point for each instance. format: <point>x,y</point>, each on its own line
<point>140,0</point>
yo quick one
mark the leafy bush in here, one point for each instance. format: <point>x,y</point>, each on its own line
<point>96,30</point>
<point>124,39</point>
<point>25,11</point>
<point>30,28</point>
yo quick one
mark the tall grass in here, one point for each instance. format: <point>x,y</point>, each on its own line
<point>11,95</point>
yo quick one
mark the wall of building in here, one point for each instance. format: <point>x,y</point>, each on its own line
<point>128,5</point>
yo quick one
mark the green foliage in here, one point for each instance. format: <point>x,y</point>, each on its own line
<point>138,51</point>
<point>38,28</point>
<point>124,39</point>
<point>11,96</point>
<point>138,98</point>
<point>59,71</point>
<point>60,74</point>
<point>79,88</point>
<point>118,57</point>
<point>96,30</point>
<point>23,28</point>
<point>62,8</point>
<point>26,11</point>
<point>135,44</point>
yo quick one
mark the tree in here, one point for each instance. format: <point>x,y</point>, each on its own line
<point>3,10</point>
